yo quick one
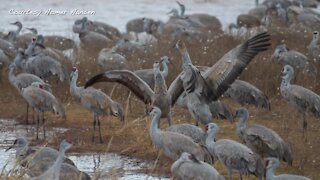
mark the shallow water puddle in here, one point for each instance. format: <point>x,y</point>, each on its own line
<point>105,164</point>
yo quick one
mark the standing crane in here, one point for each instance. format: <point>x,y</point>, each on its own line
<point>24,80</point>
<point>233,155</point>
<point>173,144</point>
<point>262,140</point>
<point>304,100</point>
<point>95,101</point>
<point>42,101</point>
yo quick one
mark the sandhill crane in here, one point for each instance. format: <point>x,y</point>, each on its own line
<point>194,132</point>
<point>217,108</point>
<point>54,171</point>
<point>172,144</point>
<point>304,100</point>
<point>246,93</point>
<point>248,21</point>
<point>8,48</point>
<point>108,59</point>
<point>314,49</point>
<point>262,140</point>
<point>272,165</point>
<point>41,65</point>
<point>284,56</point>
<point>194,84</point>
<point>42,101</point>
<point>188,167</point>
<point>95,101</point>
<point>160,97</point>
<point>92,40</point>
<point>12,35</point>
<point>200,19</point>
<point>24,80</point>
<point>4,61</point>
<point>148,74</point>
<point>233,155</point>
<point>218,77</point>
<point>36,159</point>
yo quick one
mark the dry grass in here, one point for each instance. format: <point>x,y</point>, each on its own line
<point>132,139</point>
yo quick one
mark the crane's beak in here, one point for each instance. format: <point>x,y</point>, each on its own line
<point>10,147</point>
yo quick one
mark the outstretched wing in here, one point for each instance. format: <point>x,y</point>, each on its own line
<point>175,89</point>
<point>231,65</point>
<point>128,79</point>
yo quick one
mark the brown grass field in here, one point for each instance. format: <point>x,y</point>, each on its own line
<point>132,138</point>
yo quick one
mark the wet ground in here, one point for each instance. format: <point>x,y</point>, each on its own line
<point>122,167</point>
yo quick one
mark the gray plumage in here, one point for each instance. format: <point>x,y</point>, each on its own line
<point>217,108</point>
<point>42,101</point>
<point>194,132</point>
<point>246,93</point>
<point>195,88</point>
<point>91,40</point>
<point>45,67</point>
<point>108,60</point>
<point>54,171</point>
<point>188,167</point>
<point>38,160</point>
<point>248,21</point>
<point>314,49</point>
<point>304,100</point>
<point>171,143</point>
<point>148,74</point>
<point>272,165</point>
<point>23,80</point>
<point>95,101</point>
<point>284,56</point>
<point>262,140</point>
<point>8,48</point>
<point>160,96</point>
<point>233,155</point>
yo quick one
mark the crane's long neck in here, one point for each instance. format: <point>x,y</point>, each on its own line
<point>21,149</point>
<point>12,75</point>
<point>210,140</point>
<point>19,61</point>
<point>165,69</point>
<point>74,89</point>
<point>285,83</point>
<point>175,166</point>
<point>270,173</point>
<point>159,82</point>
<point>18,30</point>
<point>185,58</point>
<point>242,125</point>
<point>314,42</point>
<point>154,128</point>
<point>57,164</point>
<point>30,50</point>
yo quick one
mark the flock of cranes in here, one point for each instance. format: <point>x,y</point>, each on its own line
<point>197,89</point>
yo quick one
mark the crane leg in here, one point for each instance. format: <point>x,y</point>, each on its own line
<point>27,113</point>
<point>38,126</point>
<point>240,176</point>
<point>197,123</point>
<point>32,115</point>
<point>43,126</point>
<point>304,127</point>
<point>169,118</point>
<point>99,130</point>
<point>230,174</point>
<point>94,127</point>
